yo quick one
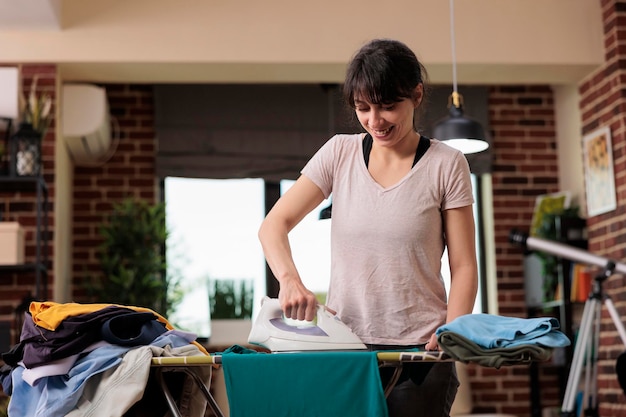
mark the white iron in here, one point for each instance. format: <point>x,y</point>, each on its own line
<point>277,333</point>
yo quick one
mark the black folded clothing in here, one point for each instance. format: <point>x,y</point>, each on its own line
<point>132,329</point>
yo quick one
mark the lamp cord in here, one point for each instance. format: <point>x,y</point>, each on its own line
<point>453,46</point>
<point>455,99</point>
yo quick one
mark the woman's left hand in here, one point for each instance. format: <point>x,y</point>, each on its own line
<point>432,343</point>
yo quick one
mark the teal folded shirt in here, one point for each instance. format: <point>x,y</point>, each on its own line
<point>303,384</point>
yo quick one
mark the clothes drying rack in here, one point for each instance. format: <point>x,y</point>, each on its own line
<point>189,365</point>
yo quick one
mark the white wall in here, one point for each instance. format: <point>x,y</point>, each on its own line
<point>569,143</point>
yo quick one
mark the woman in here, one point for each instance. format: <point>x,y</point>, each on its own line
<point>399,198</point>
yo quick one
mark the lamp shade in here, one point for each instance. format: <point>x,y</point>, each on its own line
<point>461,132</point>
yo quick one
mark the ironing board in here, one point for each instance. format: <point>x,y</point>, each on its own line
<point>190,364</point>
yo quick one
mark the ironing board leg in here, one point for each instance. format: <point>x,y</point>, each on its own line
<point>394,377</point>
<point>197,380</point>
<point>207,394</point>
<point>166,391</point>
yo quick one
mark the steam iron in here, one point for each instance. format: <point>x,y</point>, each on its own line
<point>277,333</point>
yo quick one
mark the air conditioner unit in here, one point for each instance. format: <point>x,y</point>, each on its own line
<point>86,123</point>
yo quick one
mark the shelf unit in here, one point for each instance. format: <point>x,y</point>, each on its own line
<point>36,185</point>
<point>570,231</point>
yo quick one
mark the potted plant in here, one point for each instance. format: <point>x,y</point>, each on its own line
<point>230,302</point>
<point>549,228</point>
<point>132,257</point>
<point>36,110</point>
<point>25,144</point>
<point>231,299</point>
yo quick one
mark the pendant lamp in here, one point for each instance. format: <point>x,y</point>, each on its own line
<point>457,130</point>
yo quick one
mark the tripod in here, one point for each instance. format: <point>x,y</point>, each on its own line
<point>589,336</point>
<point>587,345</point>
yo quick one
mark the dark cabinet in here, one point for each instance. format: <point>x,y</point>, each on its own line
<point>36,186</point>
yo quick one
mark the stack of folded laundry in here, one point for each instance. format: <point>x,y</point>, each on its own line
<point>492,340</point>
<point>73,358</point>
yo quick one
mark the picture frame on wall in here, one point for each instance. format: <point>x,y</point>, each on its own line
<point>599,173</point>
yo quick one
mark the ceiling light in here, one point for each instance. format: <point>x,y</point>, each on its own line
<point>457,130</point>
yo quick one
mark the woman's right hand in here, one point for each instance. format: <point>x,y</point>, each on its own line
<point>297,302</point>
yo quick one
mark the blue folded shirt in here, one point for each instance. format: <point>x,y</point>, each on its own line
<point>493,331</point>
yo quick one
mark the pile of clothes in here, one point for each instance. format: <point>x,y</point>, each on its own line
<point>91,359</point>
<point>493,341</point>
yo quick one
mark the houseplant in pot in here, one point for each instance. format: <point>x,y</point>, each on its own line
<point>132,258</point>
<point>549,228</point>
<point>26,143</point>
<point>230,302</point>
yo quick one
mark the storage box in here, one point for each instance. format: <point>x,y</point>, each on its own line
<point>11,243</point>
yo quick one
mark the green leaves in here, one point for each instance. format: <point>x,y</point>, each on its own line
<point>132,256</point>
<point>231,299</point>
<point>36,110</point>
<point>548,229</point>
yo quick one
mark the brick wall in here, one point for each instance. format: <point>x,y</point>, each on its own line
<point>22,206</point>
<point>129,173</point>
<point>603,103</point>
<point>524,166</point>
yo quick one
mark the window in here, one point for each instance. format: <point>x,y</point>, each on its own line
<point>445,267</point>
<point>213,228</point>
<point>310,247</point>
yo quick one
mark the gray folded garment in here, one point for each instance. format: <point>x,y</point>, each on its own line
<point>462,349</point>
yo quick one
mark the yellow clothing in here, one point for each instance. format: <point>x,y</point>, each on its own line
<point>50,315</point>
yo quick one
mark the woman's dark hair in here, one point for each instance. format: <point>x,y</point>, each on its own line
<point>383,71</point>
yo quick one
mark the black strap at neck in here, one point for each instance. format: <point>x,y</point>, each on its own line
<point>422,147</point>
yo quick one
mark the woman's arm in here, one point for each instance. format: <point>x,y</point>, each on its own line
<point>296,301</point>
<point>460,240</point>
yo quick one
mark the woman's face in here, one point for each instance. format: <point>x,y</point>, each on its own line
<point>388,123</point>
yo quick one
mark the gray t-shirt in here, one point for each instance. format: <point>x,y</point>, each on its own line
<point>387,243</point>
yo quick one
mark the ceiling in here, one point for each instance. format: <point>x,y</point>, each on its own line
<point>154,41</point>
<point>30,14</point>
